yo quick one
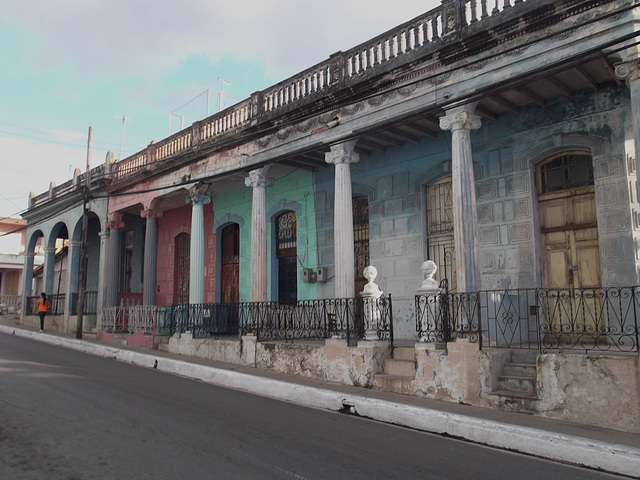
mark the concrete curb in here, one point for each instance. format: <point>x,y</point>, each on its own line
<point>618,459</point>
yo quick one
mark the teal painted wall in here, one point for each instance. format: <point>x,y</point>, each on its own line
<point>292,192</point>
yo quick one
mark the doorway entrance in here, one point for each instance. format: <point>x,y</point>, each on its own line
<point>287,257</point>
<point>230,262</point>
<point>440,233</point>
<point>182,250</point>
<point>569,244</point>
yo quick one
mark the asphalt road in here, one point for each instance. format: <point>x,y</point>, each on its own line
<point>68,415</point>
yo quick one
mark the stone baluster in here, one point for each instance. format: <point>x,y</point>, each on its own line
<point>150,255</point>
<point>258,179</point>
<point>342,156</point>
<point>461,121</point>
<point>196,261</point>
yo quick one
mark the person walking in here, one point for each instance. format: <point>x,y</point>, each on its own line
<point>43,307</point>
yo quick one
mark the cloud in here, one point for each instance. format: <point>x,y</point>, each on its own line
<point>29,165</point>
<point>121,37</point>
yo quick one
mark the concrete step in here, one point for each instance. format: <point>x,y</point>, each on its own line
<point>517,383</point>
<point>404,368</point>
<point>404,353</point>
<point>394,383</point>
<point>520,369</point>
<point>507,393</point>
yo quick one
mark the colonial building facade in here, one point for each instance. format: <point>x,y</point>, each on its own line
<point>496,138</point>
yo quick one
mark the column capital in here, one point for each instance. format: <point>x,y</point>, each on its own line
<point>73,244</point>
<point>151,213</point>
<point>198,199</point>
<point>49,249</point>
<point>342,153</point>
<point>112,224</point>
<point>460,118</point>
<point>259,178</point>
<point>628,71</point>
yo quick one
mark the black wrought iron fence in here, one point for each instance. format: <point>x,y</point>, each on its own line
<point>56,301</point>
<point>587,319</point>
<point>304,320</point>
<point>206,319</point>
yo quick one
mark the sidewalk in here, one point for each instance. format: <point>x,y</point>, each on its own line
<point>607,450</point>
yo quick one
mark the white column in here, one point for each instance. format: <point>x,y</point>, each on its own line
<point>102,265</point>
<point>461,121</point>
<point>342,156</point>
<point>48,274</point>
<point>113,263</point>
<point>151,256</point>
<point>27,282</point>
<point>196,261</point>
<point>259,180</point>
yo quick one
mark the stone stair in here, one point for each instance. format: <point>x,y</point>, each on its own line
<point>518,377</point>
<point>399,371</point>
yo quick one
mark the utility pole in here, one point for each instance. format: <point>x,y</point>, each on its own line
<point>83,240</point>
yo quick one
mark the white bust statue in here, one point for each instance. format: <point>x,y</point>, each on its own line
<point>429,284</point>
<point>371,289</point>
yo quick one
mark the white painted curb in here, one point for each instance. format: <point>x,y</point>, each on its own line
<point>619,459</point>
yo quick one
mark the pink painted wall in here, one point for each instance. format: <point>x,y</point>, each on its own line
<point>170,224</point>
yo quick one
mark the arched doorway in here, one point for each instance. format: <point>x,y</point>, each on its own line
<point>230,262</point>
<point>570,253</point>
<point>287,257</point>
<point>568,222</point>
<point>440,232</point>
<point>182,247</point>
<point>360,240</point>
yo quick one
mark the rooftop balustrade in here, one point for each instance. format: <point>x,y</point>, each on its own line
<point>343,70</point>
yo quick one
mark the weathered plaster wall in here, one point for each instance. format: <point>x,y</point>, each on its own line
<point>333,361</point>
<point>593,390</point>
<point>504,153</point>
<point>599,390</point>
<point>170,224</point>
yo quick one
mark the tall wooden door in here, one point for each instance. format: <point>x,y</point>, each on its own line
<point>287,258</point>
<point>182,250</point>
<point>229,271</point>
<point>571,254</point>
<point>440,233</point>
<point>360,204</point>
<point>570,247</point>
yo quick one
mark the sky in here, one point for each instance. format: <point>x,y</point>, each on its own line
<point>67,65</point>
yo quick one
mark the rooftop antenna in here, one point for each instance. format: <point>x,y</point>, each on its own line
<point>124,119</point>
<point>223,82</point>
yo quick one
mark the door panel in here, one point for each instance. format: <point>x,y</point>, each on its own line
<point>229,269</point>
<point>571,262</point>
<point>229,284</point>
<point>440,233</point>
